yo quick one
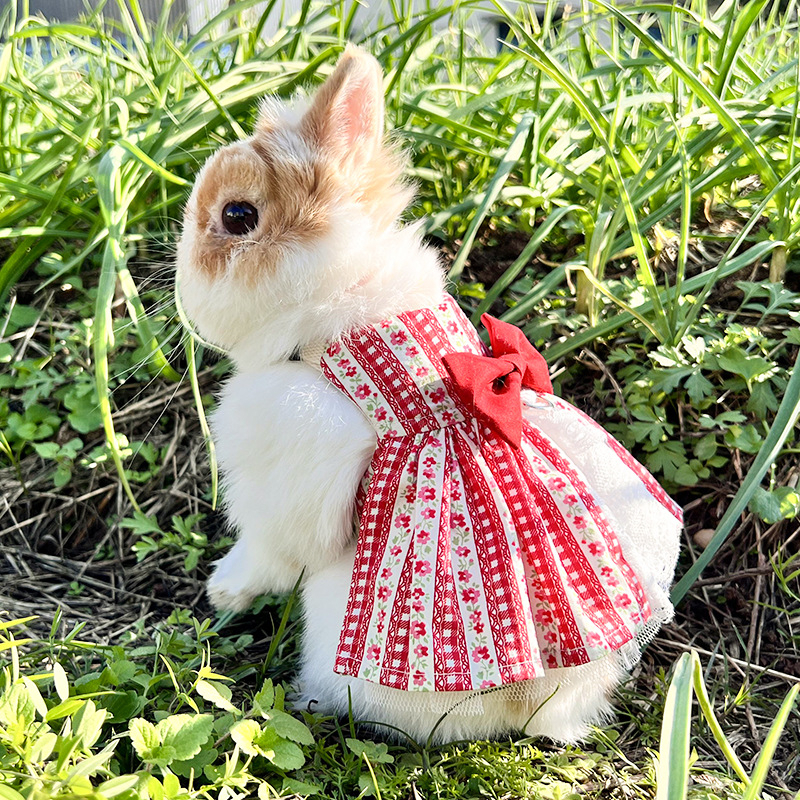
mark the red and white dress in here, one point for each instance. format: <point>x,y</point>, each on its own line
<point>483,560</point>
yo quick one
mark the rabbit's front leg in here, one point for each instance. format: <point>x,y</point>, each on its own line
<point>237,580</point>
<point>292,450</point>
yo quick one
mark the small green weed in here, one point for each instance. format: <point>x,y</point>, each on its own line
<point>183,538</point>
<point>688,408</point>
<point>49,403</point>
<point>151,719</point>
<point>52,720</point>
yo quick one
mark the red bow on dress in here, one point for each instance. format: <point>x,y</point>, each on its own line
<point>490,385</point>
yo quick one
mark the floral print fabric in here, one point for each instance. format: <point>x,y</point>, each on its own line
<point>477,565</point>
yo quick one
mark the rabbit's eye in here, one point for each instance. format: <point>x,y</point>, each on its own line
<point>239,218</point>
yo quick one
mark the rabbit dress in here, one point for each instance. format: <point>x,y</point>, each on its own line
<point>498,539</point>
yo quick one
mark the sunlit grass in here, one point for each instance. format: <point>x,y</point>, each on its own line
<point>620,143</point>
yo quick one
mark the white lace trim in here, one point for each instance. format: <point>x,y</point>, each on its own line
<point>531,693</point>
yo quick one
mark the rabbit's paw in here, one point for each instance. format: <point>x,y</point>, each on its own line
<point>223,599</point>
<point>230,587</point>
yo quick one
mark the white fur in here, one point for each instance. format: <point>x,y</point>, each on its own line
<point>292,450</point>
<point>563,705</point>
<point>354,276</point>
<point>276,113</point>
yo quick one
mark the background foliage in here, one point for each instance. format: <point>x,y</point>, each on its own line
<point>622,184</point>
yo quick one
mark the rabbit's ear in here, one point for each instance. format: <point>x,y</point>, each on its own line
<point>346,116</point>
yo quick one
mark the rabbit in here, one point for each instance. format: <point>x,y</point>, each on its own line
<point>291,240</point>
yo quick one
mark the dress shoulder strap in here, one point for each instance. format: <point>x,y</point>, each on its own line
<point>312,353</point>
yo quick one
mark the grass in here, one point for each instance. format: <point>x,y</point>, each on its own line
<point>76,722</point>
<point>621,183</point>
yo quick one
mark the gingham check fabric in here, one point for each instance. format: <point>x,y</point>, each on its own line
<point>478,564</point>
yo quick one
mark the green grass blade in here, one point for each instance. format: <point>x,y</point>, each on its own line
<point>590,111</point>
<point>138,34</point>
<point>102,341</point>
<point>192,360</point>
<point>507,163</point>
<point>236,128</point>
<point>600,287</point>
<point>743,18</point>
<point>148,162</point>
<point>685,228</point>
<point>608,326</point>
<point>713,276</point>
<point>530,249</point>
<point>703,700</point>
<point>277,637</point>
<point>545,286</point>
<point>27,252</point>
<point>672,773</point>
<point>593,117</point>
<point>770,744</point>
<point>205,34</point>
<point>759,161</point>
<point>38,230</point>
<point>189,328</point>
<point>142,324</point>
<point>25,255</point>
<point>102,330</point>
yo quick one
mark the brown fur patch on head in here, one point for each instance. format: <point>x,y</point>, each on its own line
<point>380,188</point>
<point>294,170</point>
<point>289,193</point>
<point>345,124</point>
<point>301,194</point>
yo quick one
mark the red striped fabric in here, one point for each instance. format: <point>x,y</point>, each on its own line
<point>477,564</point>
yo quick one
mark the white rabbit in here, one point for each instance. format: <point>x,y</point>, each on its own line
<point>291,241</point>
